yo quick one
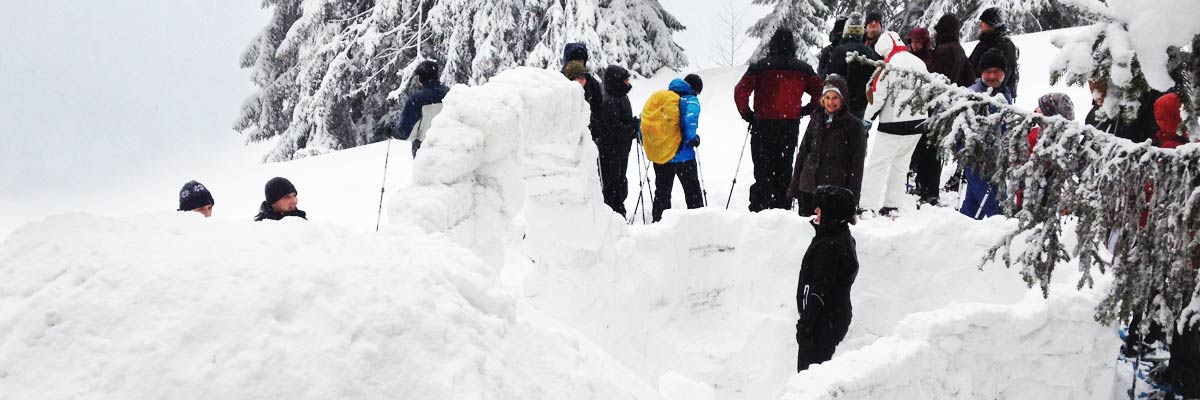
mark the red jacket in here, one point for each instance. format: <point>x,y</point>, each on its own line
<point>778,82</point>
<point>1166,111</point>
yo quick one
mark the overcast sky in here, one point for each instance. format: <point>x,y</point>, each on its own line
<point>703,20</point>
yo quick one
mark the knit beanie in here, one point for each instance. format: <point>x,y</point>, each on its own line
<point>1057,104</point>
<point>277,188</point>
<point>194,195</point>
<point>993,17</point>
<point>835,83</point>
<point>855,27</point>
<point>874,16</point>
<point>574,69</point>
<point>993,58</point>
<point>919,35</point>
<point>695,82</point>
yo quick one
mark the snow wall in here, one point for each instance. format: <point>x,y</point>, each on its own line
<point>703,302</point>
<point>514,149</point>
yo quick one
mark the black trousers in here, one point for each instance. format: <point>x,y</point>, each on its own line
<point>826,336</point>
<point>772,148</point>
<point>664,182</point>
<point>928,168</point>
<point>614,163</point>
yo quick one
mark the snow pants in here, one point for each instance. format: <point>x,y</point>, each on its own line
<point>772,149</point>
<point>980,200</point>
<point>928,167</point>
<point>886,172</point>
<point>664,183</point>
<point>826,336</point>
<point>614,163</point>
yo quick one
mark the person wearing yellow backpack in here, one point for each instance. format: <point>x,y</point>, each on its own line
<point>666,129</point>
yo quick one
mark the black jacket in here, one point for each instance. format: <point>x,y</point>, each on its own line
<point>594,96</point>
<point>831,153</point>
<point>825,59</point>
<point>1183,371</point>
<point>828,271</point>
<point>431,93</point>
<point>998,39</point>
<point>857,75</point>
<point>615,123</point>
<point>1142,128</point>
<point>265,212</point>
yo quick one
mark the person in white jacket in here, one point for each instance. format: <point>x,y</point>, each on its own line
<point>900,130</point>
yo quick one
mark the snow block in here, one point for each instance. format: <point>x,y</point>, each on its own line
<point>518,145</point>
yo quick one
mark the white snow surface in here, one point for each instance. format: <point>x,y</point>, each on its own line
<point>500,275</point>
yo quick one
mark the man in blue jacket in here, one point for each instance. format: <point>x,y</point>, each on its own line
<point>683,164</point>
<point>980,200</point>
<point>422,105</point>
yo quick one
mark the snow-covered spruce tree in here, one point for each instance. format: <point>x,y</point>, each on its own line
<point>1098,181</point>
<point>330,71</point>
<point>1126,50</point>
<point>1021,16</point>
<point>806,19</point>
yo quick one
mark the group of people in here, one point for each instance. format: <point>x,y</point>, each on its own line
<point>281,200</point>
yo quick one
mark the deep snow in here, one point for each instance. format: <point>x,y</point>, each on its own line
<point>701,305</point>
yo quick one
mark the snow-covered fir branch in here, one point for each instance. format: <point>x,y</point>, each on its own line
<point>1103,184</point>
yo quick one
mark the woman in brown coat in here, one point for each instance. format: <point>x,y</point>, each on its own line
<point>833,148</point>
<point>949,59</point>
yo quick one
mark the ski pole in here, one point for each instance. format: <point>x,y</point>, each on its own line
<point>749,128</point>
<point>641,191</point>
<point>700,174</point>
<point>383,185</point>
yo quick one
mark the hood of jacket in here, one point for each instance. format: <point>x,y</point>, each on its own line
<point>783,42</point>
<point>681,87</point>
<point>1166,112</point>
<point>889,44</point>
<point>614,80</point>
<point>947,29</point>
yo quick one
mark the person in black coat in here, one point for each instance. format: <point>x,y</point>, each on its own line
<point>614,134</point>
<point>828,271</point>
<point>591,88</point>
<point>857,75</point>
<point>994,35</point>
<point>835,38</point>
<point>432,92</point>
<point>282,200</point>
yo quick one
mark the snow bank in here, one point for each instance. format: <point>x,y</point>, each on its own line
<point>175,306</point>
<point>710,294</point>
<point>518,142</point>
<point>1035,349</point>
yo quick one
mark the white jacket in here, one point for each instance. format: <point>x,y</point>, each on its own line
<point>884,106</point>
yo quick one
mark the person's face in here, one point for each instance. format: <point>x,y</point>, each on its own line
<point>984,27</point>
<point>581,80</point>
<point>206,210</point>
<point>874,29</point>
<point>993,77</point>
<point>832,102</point>
<point>918,45</point>
<point>286,204</point>
<point>818,213</point>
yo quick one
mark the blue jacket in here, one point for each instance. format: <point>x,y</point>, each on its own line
<point>689,115</point>
<point>432,93</point>
<point>980,87</point>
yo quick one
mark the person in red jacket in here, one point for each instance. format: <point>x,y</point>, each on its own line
<point>1166,112</point>
<point>777,82</point>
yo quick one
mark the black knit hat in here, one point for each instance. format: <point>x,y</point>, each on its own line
<point>277,188</point>
<point>993,17</point>
<point>836,203</point>
<point>874,16</point>
<point>194,195</point>
<point>427,71</point>
<point>992,58</point>
<point>695,82</point>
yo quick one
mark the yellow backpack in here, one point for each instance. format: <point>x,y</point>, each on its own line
<point>660,126</point>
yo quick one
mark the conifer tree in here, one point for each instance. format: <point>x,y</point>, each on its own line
<point>806,19</point>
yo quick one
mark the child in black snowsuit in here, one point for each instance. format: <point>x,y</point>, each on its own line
<point>829,269</point>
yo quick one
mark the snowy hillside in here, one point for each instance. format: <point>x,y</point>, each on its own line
<point>500,275</point>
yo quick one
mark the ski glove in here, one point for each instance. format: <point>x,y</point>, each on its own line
<point>867,124</point>
<point>748,116</point>
<point>804,336</point>
<point>695,142</point>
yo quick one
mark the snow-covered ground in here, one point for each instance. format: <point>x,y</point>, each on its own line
<point>499,275</point>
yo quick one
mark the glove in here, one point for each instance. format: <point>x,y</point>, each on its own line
<point>867,124</point>
<point>695,142</point>
<point>808,109</point>
<point>804,336</point>
<point>748,116</point>
<point>383,130</point>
